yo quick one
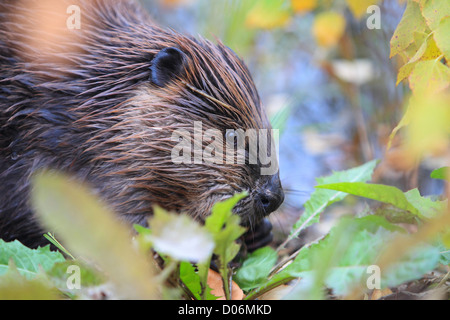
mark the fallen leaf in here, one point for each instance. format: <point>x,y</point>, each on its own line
<point>377,293</point>
<point>216,284</point>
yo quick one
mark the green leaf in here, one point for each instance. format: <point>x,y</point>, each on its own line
<point>351,267</point>
<point>225,228</point>
<point>221,212</point>
<point>143,238</point>
<point>426,206</point>
<point>256,268</point>
<point>313,262</point>
<point>192,281</point>
<point>89,277</point>
<point>444,255</point>
<point>226,246</point>
<point>29,262</point>
<point>340,261</point>
<point>322,198</point>
<point>411,22</point>
<point>441,173</point>
<point>190,278</point>
<point>413,266</point>
<point>379,192</point>
<point>372,223</point>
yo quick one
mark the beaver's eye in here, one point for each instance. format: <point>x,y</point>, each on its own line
<point>230,134</point>
<point>231,137</point>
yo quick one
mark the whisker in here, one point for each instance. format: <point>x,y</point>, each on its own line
<point>250,222</point>
<point>290,205</point>
<point>294,191</point>
<point>276,218</point>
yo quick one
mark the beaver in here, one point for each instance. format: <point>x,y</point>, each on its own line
<point>101,102</point>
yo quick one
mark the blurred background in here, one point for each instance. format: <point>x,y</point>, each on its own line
<point>326,80</point>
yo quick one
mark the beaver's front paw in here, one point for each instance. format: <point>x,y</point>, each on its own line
<point>260,236</point>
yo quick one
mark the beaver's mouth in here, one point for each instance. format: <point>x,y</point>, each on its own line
<point>255,207</point>
<point>249,210</point>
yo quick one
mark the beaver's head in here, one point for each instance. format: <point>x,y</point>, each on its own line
<point>200,134</point>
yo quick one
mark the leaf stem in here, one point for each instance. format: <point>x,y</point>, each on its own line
<point>167,271</point>
<point>256,293</point>
<point>50,237</point>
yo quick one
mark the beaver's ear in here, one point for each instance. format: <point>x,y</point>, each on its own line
<point>166,65</point>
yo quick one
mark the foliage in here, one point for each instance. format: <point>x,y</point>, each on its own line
<point>339,261</point>
<point>323,198</point>
<point>421,40</point>
<point>26,261</point>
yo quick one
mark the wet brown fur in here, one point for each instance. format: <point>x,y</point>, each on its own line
<point>81,101</point>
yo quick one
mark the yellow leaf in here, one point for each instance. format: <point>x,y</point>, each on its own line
<point>411,24</point>
<point>446,239</point>
<point>429,76</point>
<point>301,6</point>
<point>328,28</point>
<point>428,131</point>
<point>427,51</point>
<point>268,14</point>
<point>442,38</point>
<point>91,231</point>
<point>406,120</point>
<point>14,286</point>
<point>359,7</point>
<point>405,71</point>
<point>411,50</point>
<point>434,11</point>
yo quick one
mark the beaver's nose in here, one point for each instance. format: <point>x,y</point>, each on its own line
<point>271,195</point>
